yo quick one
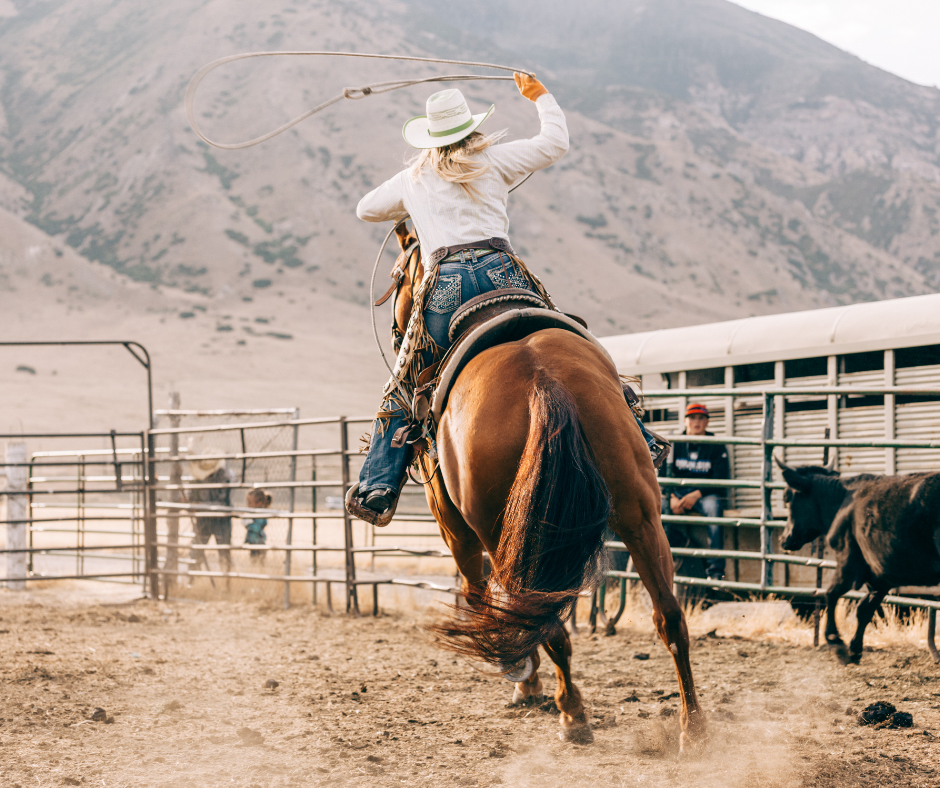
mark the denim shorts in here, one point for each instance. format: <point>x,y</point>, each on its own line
<point>465,275</point>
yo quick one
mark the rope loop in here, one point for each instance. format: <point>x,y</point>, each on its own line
<point>348,93</point>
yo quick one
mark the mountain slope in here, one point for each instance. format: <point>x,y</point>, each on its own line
<point>875,136</point>
<point>664,212</point>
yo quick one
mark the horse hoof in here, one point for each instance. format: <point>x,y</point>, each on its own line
<point>521,671</point>
<point>692,745</point>
<point>580,735</point>
<point>520,697</point>
<point>853,658</point>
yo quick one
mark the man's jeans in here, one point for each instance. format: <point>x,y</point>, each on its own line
<point>462,276</point>
<point>706,506</point>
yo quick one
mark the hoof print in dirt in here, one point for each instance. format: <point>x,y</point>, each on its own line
<point>249,737</point>
<point>271,684</point>
<point>641,656</point>
<point>173,705</point>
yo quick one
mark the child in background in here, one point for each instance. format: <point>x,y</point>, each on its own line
<point>256,499</point>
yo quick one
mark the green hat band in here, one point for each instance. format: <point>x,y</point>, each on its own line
<point>447,133</point>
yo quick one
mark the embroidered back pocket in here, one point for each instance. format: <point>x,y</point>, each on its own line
<point>446,295</point>
<point>516,279</point>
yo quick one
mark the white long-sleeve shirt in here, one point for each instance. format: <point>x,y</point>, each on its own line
<point>443,213</point>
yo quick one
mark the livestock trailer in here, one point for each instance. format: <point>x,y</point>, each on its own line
<point>873,346</point>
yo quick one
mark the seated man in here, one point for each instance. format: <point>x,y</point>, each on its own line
<point>699,461</point>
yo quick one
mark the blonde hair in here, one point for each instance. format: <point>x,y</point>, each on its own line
<point>456,162</point>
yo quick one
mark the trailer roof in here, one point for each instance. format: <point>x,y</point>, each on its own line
<point>879,325</point>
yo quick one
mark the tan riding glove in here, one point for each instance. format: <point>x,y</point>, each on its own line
<point>529,87</point>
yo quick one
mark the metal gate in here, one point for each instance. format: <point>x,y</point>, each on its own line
<point>75,513</point>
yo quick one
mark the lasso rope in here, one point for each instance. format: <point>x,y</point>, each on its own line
<point>352,94</point>
<point>348,93</point>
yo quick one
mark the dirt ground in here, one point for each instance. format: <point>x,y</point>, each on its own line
<point>188,694</point>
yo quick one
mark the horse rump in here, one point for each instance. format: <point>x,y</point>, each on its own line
<point>551,543</point>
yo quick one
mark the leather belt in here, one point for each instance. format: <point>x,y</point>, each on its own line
<point>499,244</point>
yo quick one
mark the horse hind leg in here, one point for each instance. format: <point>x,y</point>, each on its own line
<point>574,725</point>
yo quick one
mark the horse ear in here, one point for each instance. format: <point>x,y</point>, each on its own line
<point>403,233</point>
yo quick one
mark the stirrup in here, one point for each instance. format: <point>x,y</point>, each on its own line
<point>356,509</point>
<point>663,447</point>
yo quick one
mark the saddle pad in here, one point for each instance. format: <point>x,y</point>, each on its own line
<point>507,327</point>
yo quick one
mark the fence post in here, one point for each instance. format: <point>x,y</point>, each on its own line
<point>151,562</point>
<point>172,517</point>
<point>766,577</point>
<point>290,522</point>
<point>17,479</point>
<point>352,598</point>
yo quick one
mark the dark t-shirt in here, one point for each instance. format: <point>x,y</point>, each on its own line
<point>698,461</point>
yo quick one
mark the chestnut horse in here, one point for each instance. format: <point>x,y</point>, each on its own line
<point>538,451</point>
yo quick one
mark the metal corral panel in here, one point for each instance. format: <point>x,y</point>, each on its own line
<point>747,459</point>
<point>880,325</point>
<point>805,425</point>
<point>918,421</point>
<point>861,423</point>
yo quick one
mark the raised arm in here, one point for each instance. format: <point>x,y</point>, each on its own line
<point>514,160</point>
<point>383,203</point>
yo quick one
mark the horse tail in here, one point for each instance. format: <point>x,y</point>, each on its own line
<point>551,542</point>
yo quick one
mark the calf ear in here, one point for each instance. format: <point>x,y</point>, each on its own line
<point>797,480</point>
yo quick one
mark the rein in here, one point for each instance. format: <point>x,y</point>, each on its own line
<point>348,93</point>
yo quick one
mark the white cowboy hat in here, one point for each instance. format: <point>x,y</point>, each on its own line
<point>448,121</point>
<point>203,469</point>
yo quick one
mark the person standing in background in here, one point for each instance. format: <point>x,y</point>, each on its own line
<point>254,529</point>
<point>701,462</point>
<point>212,471</point>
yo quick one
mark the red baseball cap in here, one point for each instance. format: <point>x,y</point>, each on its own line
<point>696,409</point>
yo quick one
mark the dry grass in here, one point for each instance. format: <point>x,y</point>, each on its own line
<point>895,629</point>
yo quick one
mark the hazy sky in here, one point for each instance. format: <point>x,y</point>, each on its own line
<point>900,36</point>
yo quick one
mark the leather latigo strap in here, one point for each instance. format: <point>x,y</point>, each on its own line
<point>397,275</point>
<point>499,244</point>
